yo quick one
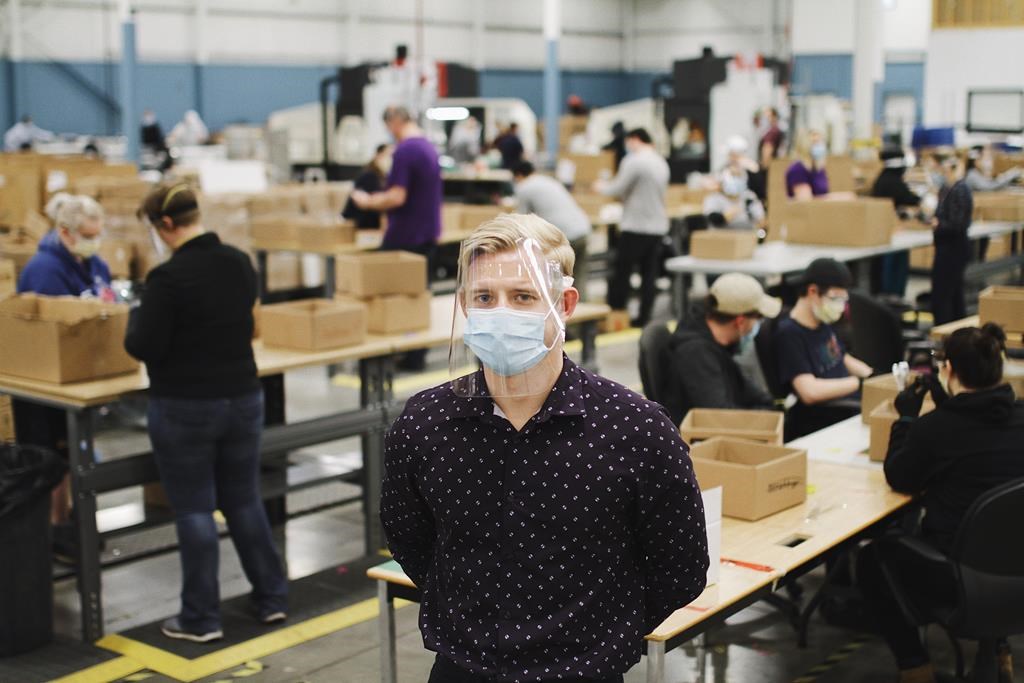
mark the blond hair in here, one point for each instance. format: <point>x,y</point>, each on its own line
<point>503,233</point>
<point>75,209</point>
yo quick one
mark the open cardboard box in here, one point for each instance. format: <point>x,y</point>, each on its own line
<point>876,391</point>
<point>395,313</point>
<point>63,339</point>
<point>757,480</point>
<point>723,245</point>
<point>764,426</point>
<point>880,422</point>
<point>1003,305</point>
<point>313,324</point>
<point>378,273</point>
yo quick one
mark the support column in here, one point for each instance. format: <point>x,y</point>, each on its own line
<point>552,77</point>
<point>202,54</point>
<point>129,122</point>
<point>868,64</point>
<point>14,55</point>
<point>352,33</point>
<point>478,36</point>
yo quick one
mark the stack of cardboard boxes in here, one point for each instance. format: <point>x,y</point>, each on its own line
<point>313,324</point>
<point>392,285</point>
<point>1004,305</point>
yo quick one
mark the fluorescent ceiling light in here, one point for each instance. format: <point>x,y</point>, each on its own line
<point>447,113</point>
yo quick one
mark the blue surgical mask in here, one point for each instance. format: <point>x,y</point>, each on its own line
<point>819,151</point>
<point>748,339</point>
<point>506,341</point>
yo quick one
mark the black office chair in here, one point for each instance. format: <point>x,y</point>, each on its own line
<point>764,344</point>
<point>654,361</point>
<point>987,563</point>
<point>877,336</point>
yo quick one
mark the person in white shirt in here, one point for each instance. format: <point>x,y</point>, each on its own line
<point>24,134</point>
<point>548,198</point>
<point>640,183</point>
<point>734,205</point>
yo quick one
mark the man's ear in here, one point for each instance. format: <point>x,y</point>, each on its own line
<point>570,297</point>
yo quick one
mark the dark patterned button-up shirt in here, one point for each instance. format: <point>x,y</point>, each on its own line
<point>549,552</point>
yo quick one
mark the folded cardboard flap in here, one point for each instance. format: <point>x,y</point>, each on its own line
<point>755,425</point>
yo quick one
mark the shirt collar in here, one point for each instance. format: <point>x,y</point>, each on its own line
<point>565,399</point>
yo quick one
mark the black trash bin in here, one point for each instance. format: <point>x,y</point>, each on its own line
<point>27,475</point>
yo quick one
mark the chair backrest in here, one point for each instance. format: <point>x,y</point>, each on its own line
<point>767,356</point>
<point>876,332</point>
<point>988,539</point>
<point>989,557</point>
<point>654,360</point>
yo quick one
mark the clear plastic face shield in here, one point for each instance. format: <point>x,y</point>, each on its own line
<point>509,322</point>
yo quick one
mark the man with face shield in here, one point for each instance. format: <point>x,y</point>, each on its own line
<point>530,498</point>
<point>734,205</point>
<point>811,360</point>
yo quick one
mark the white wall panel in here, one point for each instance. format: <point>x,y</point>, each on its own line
<point>823,26</point>
<point>907,26</point>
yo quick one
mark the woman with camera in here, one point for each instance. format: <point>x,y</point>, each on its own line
<point>971,443</point>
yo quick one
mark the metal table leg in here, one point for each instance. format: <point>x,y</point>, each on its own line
<point>261,272</point>
<point>386,624</point>
<point>274,414</point>
<point>376,390</point>
<point>655,661</point>
<point>588,337</point>
<point>82,456</point>
<point>330,283</point>
<point>681,283</point>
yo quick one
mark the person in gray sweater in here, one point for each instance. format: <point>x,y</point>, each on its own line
<point>548,198</point>
<point>640,183</point>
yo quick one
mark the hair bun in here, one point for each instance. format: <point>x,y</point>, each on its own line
<point>995,332</point>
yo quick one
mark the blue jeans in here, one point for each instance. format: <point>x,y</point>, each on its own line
<point>207,451</point>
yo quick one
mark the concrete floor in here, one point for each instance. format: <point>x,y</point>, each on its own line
<point>755,645</point>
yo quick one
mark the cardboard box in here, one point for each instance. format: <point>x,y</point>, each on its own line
<point>377,273</point>
<point>757,480</point>
<point>313,324</point>
<point>877,390</point>
<point>471,215</point>
<point>764,426</point>
<point>274,203</point>
<point>8,277</point>
<point>6,419</point>
<point>396,313</point>
<point>616,321</point>
<point>284,271</point>
<point>1003,305</point>
<point>999,206</point>
<point>592,167</point>
<point>922,258</point>
<point>18,250</point>
<point>678,193</point>
<point>713,523</point>
<point>1013,374</point>
<point>299,233</point>
<point>723,245</point>
<point>880,422</point>
<point>847,223</point>
<point>118,256</point>
<point>63,339</point>
<point>19,193</point>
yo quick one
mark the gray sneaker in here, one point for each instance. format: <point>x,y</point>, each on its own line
<point>172,629</point>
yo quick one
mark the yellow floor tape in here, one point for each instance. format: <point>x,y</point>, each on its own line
<point>112,670</point>
<point>179,668</point>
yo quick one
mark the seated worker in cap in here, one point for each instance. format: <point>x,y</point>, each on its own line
<point>704,371</point>
<point>811,360</point>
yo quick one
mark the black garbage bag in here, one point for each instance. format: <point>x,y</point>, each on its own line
<point>26,474</point>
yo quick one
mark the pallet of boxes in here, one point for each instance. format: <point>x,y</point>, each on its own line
<point>740,454</point>
<point>391,284</point>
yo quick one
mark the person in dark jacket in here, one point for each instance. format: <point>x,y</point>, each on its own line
<point>971,443</point>
<point>618,143</point>
<point>66,264</point>
<point>510,147</point>
<point>952,246</point>
<point>194,332</point>
<point>890,271</point>
<point>372,179</point>
<point>704,373</point>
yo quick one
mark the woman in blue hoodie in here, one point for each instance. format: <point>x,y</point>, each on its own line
<point>66,264</point>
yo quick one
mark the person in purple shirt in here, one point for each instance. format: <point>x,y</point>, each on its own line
<point>412,200</point>
<point>808,179</point>
<point>413,196</point>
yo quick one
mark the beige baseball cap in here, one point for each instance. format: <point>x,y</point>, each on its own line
<point>738,294</point>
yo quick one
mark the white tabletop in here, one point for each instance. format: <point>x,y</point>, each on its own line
<point>844,443</point>
<point>781,258</point>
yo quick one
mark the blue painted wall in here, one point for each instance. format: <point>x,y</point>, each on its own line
<point>823,74</point>
<point>902,78</point>
<point>234,93</point>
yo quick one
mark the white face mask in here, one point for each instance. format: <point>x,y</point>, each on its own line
<point>829,310</point>
<point>86,247</point>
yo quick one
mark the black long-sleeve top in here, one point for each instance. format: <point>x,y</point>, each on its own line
<point>194,327</point>
<point>891,185</point>
<point>704,374</point>
<point>971,443</point>
<point>548,552</point>
<point>954,214</point>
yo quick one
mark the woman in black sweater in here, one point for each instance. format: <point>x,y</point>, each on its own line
<point>952,247</point>
<point>971,443</point>
<point>194,332</point>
